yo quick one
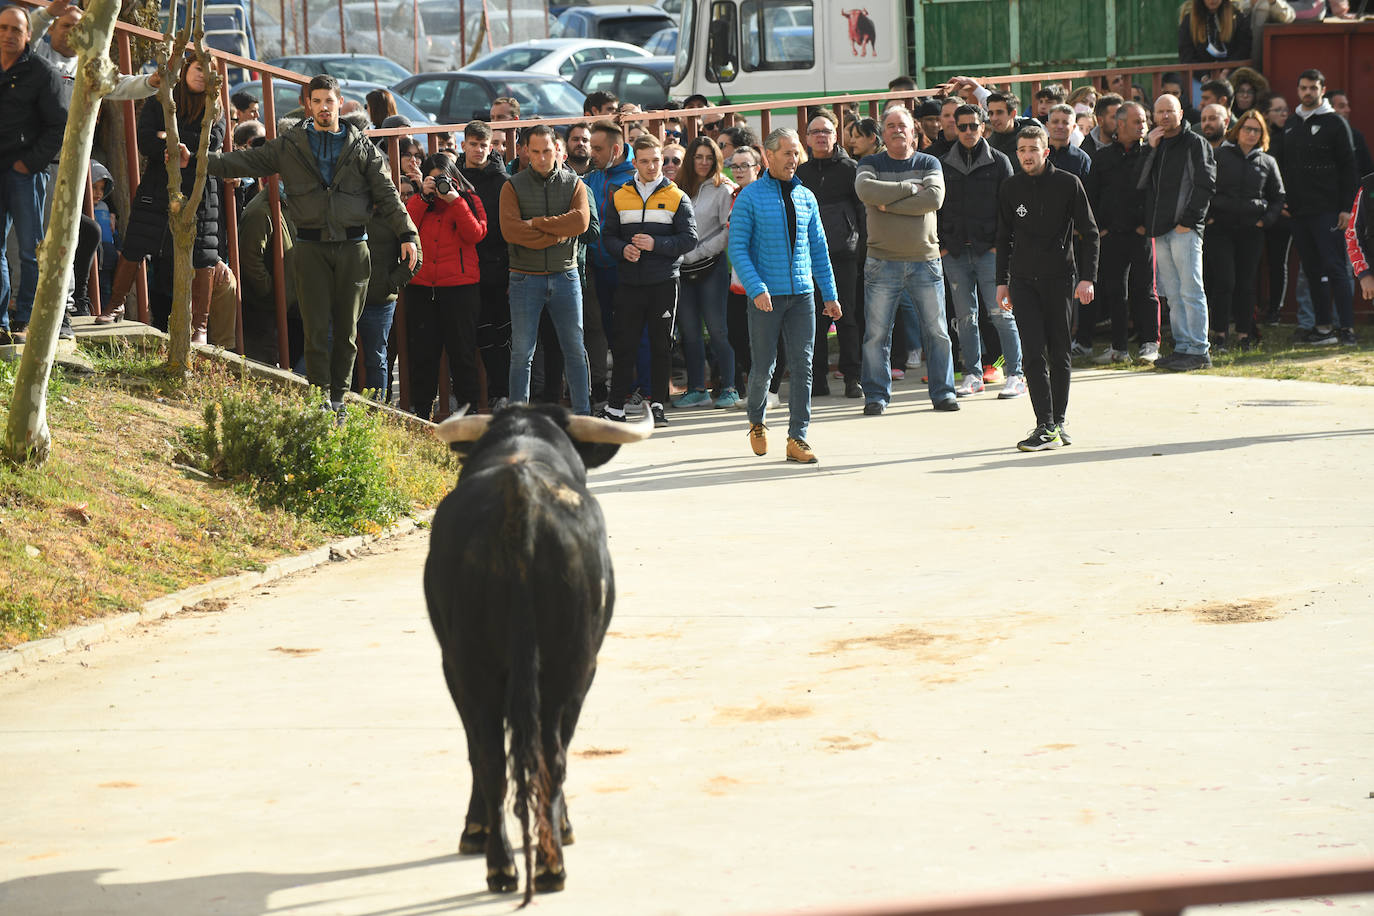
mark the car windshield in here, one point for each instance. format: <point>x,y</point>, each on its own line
<point>509,59</point>
<point>544,98</point>
<point>366,69</point>
<point>633,30</point>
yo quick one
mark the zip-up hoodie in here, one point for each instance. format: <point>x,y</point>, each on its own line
<point>1318,161</point>
<point>1179,177</point>
<point>449,232</point>
<point>711,208</point>
<point>666,214</point>
<point>1038,217</point>
<point>601,185</point>
<point>763,257</point>
<point>910,191</point>
<point>969,215</point>
<point>1249,188</point>
<point>488,181</point>
<point>1112,186</point>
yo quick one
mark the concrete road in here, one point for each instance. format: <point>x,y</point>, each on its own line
<point>931,665</point>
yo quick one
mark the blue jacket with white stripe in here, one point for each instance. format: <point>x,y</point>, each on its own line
<point>666,214</point>
<point>765,259</point>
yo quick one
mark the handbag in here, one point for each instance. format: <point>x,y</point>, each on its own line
<point>697,270</point>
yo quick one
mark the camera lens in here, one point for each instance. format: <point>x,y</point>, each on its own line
<point>442,186</point>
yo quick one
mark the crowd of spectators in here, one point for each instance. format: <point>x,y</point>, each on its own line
<point>586,263</point>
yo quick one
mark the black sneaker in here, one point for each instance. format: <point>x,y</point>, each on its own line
<point>1347,337</point>
<point>1041,438</point>
<point>1247,344</point>
<point>852,389</point>
<point>947,404</point>
<point>660,420</point>
<point>66,332</point>
<point>1064,435</point>
<point>1321,338</point>
<point>605,414</point>
<point>874,409</point>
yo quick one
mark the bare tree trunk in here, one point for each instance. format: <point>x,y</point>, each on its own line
<point>27,437</point>
<point>181,208</point>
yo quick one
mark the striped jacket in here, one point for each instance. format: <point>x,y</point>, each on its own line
<point>666,215</point>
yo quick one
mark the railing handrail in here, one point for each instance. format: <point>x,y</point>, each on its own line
<point>1160,895</point>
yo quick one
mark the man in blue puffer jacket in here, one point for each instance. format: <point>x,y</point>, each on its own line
<point>777,269</point>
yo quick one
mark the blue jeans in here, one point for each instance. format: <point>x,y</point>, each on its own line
<point>374,327</point>
<point>21,205</point>
<point>1178,256</point>
<point>795,318</point>
<point>967,273</point>
<point>561,294</point>
<point>699,300</point>
<point>884,282</point>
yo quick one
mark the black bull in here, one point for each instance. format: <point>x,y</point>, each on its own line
<point>520,591</point>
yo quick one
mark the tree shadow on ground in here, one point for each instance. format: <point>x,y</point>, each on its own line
<point>247,893</point>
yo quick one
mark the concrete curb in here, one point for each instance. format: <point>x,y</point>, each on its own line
<point>27,654</point>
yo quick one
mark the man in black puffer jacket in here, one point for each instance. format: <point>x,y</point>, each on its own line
<point>1127,273</point>
<point>967,223</point>
<point>1318,164</point>
<point>829,174</point>
<point>488,176</point>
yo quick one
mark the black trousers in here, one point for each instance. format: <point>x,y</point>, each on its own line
<point>737,327</point>
<point>87,241</point>
<point>653,305</point>
<point>1043,313</point>
<point>850,340</point>
<point>1230,269</point>
<point>1278,242</point>
<point>442,319</point>
<point>1125,291</point>
<point>493,327</point>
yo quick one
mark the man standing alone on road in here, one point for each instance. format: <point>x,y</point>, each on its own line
<point>778,249</point>
<point>1039,211</point>
<point>334,177</point>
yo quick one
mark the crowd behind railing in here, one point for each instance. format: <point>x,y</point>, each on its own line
<point>423,254</point>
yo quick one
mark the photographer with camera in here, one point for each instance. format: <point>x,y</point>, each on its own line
<point>442,302</point>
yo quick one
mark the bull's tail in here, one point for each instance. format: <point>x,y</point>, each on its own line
<point>526,756</point>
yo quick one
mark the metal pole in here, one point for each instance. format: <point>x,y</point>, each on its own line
<point>343,36</point>
<point>399,320</point>
<point>463,32</point>
<point>283,26</point>
<point>269,110</point>
<point>415,34</point>
<point>305,23</point>
<point>377,13</point>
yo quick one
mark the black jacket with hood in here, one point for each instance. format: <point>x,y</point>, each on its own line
<point>1249,189</point>
<point>1318,162</point>
<point>842,213</point>
<point>487,181</point>
<point>1112,185</point>
<point>1179,177</point>
<point>968,217</point>
<point>33,115</point>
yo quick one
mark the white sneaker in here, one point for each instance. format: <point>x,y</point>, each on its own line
<point>971,383</point>
<point>636,402</point>
<point>1078,351</point>
<point>774,400</point>
<point>913,359</point>
<point>1109,356</point>
<point>1149,352</point>
<point>1014,388</point>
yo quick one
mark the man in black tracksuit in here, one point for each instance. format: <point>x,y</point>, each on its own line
<point>1039,210</point>
<point>1128,258</point>
<point>829,174</point>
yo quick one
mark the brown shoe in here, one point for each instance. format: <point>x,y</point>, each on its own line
<point>758,438</point>
<point>799,451</point>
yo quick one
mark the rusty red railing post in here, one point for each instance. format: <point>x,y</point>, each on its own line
<point>398,318</point>
<point>126,65</point>
<point>230,209</point>
<point>269,113</point>
<point>93,281</point>
<point>377,14</point>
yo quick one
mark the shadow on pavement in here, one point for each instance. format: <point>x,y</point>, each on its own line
<point>78,893</point>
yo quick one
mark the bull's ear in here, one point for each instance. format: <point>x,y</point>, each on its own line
<point>595,454</point>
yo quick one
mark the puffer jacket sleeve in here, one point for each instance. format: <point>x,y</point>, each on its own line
<point>467,218</point>
<point>742,227</point>
<point>1274,195</point>
<point>684,235</point>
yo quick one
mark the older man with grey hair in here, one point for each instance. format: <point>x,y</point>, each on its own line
<point>777,247</point>
<point>902,190</point>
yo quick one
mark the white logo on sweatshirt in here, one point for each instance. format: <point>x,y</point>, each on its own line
<point>1021,211</point>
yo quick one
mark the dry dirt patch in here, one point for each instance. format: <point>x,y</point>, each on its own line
<point>763,712</point>
<point>1251,611</point>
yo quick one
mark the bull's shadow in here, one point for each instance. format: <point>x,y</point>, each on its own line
<point>246,893</point>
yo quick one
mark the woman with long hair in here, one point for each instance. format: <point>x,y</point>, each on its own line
<point>1210,31</point>
<point>149,233</point>
<point>1248,200</point>
<point>442,302</point>
<point>705,274</point>
<point>380,106</point>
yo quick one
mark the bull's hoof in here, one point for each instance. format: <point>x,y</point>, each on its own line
<point>473,841</point>
<point>550,882</point>
<point>567,837</point>
<point>503,880</point>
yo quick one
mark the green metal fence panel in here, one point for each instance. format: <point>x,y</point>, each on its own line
<point>952,37</point>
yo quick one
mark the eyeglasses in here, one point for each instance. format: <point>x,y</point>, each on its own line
<point>671,160</point>
<point>821,131</point>
<point>1250,129</point>
<point>743,166</point>
<point>965,128</point>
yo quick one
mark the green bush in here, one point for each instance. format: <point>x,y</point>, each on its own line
<point>292,454</point>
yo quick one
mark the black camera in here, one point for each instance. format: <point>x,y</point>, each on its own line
<point>443,186</point>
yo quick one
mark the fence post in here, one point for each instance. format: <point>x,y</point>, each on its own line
<point>126,64</point>
<point>269,111</point>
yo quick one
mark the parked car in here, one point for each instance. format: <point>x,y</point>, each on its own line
<point>444,36</point>
<point>558,56</point>
<point>662,43</point>
<point>360,26</point>
<point>672,8</point>
<point>631,24</point>
<point>643,80</point>
<point>458,96</point>
<point>369,68</point>
<point>287,97</point>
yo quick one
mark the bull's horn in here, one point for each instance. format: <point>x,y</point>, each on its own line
<point>611,432</point>
<point>458,428</point>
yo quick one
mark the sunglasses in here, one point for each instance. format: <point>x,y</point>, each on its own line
<point>673,160</point>
<point>968,128</point>
<point>713,125</point>
<point>675,134</point>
